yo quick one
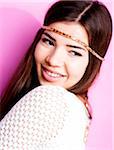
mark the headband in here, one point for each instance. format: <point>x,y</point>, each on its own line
<point>74,39</point>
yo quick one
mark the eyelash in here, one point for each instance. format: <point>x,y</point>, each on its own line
<point>74,53</point>
<point>47,41</point>
<point>50,43</point>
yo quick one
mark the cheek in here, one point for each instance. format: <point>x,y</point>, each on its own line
<point>39,54</point>
<point>78,68</point>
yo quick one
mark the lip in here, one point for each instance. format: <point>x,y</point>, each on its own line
<point>50,75</point>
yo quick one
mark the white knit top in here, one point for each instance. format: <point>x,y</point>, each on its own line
<point>46,118</point>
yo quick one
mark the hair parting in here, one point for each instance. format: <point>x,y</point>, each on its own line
<point>83,12</point>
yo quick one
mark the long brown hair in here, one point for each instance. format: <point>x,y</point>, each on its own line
<point>98,24</point>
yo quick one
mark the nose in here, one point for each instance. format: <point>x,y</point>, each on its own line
<point>56,57</point>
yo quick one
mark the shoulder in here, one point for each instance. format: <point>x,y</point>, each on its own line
<point>77,106</point>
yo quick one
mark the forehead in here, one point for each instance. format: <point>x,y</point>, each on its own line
<point>75,30</point>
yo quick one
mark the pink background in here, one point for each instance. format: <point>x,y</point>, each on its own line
<point>19,21</point>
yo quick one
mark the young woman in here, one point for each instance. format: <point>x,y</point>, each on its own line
<point>67,51</point>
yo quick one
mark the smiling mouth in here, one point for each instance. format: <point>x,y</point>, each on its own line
<point>51,75</point>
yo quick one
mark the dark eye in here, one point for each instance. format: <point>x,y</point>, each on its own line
<point>74,53</point>
<point>47,41</point>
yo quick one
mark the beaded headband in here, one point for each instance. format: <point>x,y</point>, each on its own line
<point>74,39</point>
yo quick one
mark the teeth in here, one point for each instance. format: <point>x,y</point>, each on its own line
<point>53,74</point>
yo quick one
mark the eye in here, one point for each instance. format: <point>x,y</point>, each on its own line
<point>74,53</point>
<point>47,42</point>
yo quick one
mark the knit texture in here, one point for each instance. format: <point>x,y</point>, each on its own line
<point>46,118</point>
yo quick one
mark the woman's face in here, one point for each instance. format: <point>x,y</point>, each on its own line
<point>59,60</point>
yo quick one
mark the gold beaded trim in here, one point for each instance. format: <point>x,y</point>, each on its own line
<point>74,39</point>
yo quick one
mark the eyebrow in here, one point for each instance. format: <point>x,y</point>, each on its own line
<point>72,46</point>
<point>45,33</point>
